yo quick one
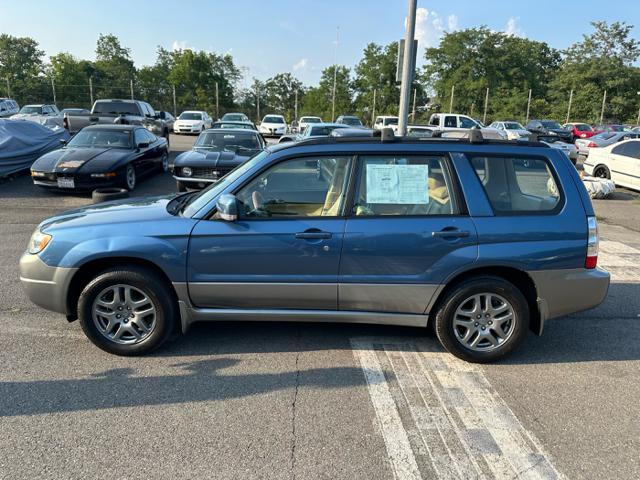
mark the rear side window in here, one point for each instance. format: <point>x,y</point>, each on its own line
<point>403,185</point>
<point>518,185</point>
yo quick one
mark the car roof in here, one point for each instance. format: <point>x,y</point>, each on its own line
<point>193,111</point>
<point>328,124</point>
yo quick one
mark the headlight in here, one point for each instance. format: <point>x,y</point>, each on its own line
<point>186,171</point>
<point>38,242</point>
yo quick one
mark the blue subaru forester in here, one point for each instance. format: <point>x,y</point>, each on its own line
<point>485,240</point>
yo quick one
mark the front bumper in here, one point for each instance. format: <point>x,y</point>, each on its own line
<point>273,132</point>
<point>561,292</point>
<point>45,286</point>
<point>195,183</point>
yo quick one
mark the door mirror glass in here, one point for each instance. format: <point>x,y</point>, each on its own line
<point>227,207</point>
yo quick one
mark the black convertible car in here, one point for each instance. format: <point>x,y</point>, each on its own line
<point>215,153</point>
<point>102,156</point>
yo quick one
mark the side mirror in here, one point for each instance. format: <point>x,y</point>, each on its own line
<point>143,145</point>
<point>63,142</point>
<point>227,206</point>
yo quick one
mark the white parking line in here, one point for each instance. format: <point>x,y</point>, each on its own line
<point>621,260</point>
<point>440,417</point>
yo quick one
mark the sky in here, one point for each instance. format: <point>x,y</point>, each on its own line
<point>267,37</point>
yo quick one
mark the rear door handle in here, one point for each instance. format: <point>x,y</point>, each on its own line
<point>451,234</point>
<point>313,235</point>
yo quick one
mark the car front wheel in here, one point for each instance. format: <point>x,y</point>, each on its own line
<point>482,319</point>
<point>127,311</point>
<point>130,180</point>
<point>601,172</point>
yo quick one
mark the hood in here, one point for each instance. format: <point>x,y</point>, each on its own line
<point>273,125</point>
<point>71,160</point>
<point>131,210</point>
<point>189,122</point>
<point>204,158</point>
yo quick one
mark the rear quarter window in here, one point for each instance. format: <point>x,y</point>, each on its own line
<point>518,185</point>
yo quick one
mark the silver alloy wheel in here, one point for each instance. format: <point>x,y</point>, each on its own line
<point>484,322</point>
<point>131,177</point>
<point>165,162</point>
<point>124,314</point>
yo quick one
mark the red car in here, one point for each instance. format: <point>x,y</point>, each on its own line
<point>579,130</point>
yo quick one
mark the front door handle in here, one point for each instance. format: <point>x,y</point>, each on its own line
<point>314,235</point>
<point>451,234</point>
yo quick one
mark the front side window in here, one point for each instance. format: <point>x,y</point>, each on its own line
<point>517,185</point>
<point>403,185</point>
<point>304,187</point>
<point>467,122</point>
<point>627,149</point>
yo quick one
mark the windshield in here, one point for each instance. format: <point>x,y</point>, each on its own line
<point>29,110</point>
<point>190,116</point>
<point>101,139</point>
<point>513,126</point>
<point>310,120</point>
<point>231,141</point>
<point>617,128</point>
<point>202,198</point>
<point>353,121</point>
<point>391,121</point>
<point>583,127</point>
<point>604,136</point>
<point>272,119</point>
<point>233,117</point>
<point>116,108</point>
<point>551,124</point>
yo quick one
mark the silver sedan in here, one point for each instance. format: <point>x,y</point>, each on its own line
<point>603,139</point>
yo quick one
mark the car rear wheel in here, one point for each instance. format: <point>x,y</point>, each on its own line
<point>164,162</point>
<point>601,172</point>
<point>127,311</point>
<point>482,319</point>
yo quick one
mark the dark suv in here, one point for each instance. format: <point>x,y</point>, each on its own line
<point>485,240</point>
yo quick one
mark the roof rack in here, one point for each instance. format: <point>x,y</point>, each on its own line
<point>386,135</point>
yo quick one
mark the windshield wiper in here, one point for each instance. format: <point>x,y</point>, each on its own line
<point>180,202</point>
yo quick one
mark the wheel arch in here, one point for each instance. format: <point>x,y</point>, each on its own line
<point>519,278</point>
<point>92,268</point>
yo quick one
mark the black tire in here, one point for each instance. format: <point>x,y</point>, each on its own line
<point>129,179</point>
<point>148,282</point>
<point>601,171</point>
<point>444,326</point>
<point>164,161</point>
<point>105,194</point>
<point>181,186</point>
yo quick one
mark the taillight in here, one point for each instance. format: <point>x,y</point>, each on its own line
<point>591,261</point>
<point>592,145</point>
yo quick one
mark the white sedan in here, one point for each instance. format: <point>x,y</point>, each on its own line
<point>620,162</point>
<point>273,126</point>
<point>192,121</point>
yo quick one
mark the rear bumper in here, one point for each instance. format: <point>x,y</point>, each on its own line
<point>45,286</point>
<point>561,292</point>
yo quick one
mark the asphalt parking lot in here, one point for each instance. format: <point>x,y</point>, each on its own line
<point>311,401</point>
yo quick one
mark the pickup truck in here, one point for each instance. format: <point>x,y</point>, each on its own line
<point>453,122</point>
<point>124,112</point>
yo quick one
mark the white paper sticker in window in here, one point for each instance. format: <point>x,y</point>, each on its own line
<point>398,184</point>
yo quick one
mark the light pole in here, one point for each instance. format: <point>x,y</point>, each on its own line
<point>335,73</point>
<point>407,67</point>
<point>638,121</point>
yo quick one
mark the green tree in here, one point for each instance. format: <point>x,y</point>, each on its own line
<point>279,94</point>
<point>21,64</point>
<point>475,59</point>
<point>376,71</point>
<point>318,100</point>
<point>114,69</point>
<point>71,79</point>
<point>602,61</point>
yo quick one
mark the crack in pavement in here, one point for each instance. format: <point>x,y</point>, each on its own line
<point>293,413</point>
